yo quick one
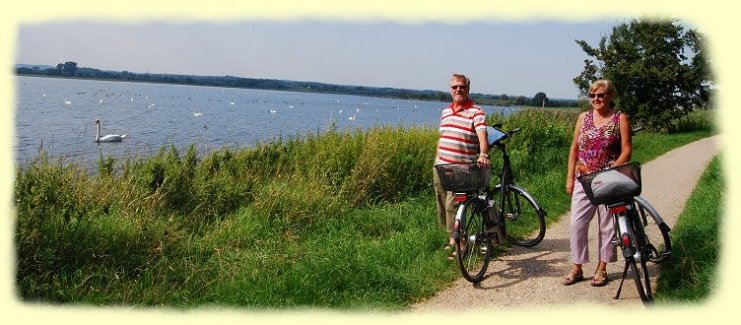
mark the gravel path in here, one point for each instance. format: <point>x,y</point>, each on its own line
<point>528,277</point>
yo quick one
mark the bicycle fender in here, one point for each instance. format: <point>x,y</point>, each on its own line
<point>642,201</point>
<point>524,193</point>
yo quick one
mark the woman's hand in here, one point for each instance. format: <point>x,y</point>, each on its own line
<point>581,169</point>
<point>570,186</point>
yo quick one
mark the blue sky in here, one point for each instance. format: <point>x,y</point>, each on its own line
<point>514,58</point>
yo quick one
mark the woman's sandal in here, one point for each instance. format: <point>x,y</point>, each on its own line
<point>572,278</point>
<point>599,279</point>
<point>454,253</point>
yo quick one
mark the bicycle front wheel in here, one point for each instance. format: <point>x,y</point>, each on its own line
<point>656,232</point>
<point>473,246</point>
<point>523,218</point>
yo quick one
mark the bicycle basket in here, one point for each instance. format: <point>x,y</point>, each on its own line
<point>613,184</point>
<point>463,177</point>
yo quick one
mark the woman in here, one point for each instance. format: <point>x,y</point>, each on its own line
<point>602,139</point>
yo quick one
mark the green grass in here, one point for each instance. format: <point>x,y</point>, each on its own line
<point>690,275</point>
<point>338,220</point>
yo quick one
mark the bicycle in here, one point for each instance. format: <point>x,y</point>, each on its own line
<point>480,219</point>
<point>619,189</point>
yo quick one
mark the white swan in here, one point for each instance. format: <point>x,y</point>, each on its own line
<point>107,138</point>
<point>197,114</point>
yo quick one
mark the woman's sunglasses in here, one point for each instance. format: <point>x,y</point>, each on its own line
<point>599,95</point>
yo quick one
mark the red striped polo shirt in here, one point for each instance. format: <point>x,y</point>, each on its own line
<point>459,142</point>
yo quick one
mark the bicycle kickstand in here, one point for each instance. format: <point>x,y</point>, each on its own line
<point>620,288</point>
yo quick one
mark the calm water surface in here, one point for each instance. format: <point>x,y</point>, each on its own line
<point>59,115</point>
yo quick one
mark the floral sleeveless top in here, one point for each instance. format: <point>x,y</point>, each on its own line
<point>599,147</point>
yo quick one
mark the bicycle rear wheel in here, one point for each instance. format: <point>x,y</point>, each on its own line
<point>523,218</point>
<point>643,282</point>
<point>473,246</point>
<point>657,241</point>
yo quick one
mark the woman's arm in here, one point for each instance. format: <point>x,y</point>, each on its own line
<point>573,153</point>
<point>626,141</point>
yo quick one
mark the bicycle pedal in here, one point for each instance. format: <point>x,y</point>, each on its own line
<point>663,256</point>
<point>496,233</point>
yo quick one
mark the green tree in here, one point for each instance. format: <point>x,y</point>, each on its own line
<point>660,70</point>
<point>68,68</point>
<point>540,99</point>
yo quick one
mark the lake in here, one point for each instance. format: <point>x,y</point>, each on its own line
<point>59,116</point>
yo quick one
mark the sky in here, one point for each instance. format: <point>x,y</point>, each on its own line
<point>513,58</point>
<point>513,47</point>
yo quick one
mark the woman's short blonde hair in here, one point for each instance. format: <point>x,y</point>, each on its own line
<point>607,84</point>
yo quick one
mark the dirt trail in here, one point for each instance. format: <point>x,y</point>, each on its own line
<point>523,277</point>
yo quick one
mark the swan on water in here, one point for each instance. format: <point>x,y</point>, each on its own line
<point>107,138</point>
<point>197,114</point>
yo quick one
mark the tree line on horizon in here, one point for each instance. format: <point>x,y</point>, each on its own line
<point>70,69</point>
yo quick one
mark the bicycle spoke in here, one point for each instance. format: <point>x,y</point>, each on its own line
<point>473,247</point>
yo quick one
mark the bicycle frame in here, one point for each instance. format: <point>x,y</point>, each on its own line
<point>478,199</point>
<point>623,217</point>
<point>483,198</point>
<point>629,232</point>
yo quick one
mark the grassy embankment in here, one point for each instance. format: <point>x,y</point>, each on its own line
<point>690,275</point>
<point>340,220</point>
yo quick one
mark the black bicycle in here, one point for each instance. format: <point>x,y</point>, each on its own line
<point>642,239</point>
<point>489,214</point>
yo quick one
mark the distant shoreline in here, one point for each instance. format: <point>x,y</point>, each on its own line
<point>70,70</point>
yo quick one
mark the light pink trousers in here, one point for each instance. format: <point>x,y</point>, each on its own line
<point>582,212</point>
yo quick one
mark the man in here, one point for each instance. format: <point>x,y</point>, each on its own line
<point>463,139</point>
